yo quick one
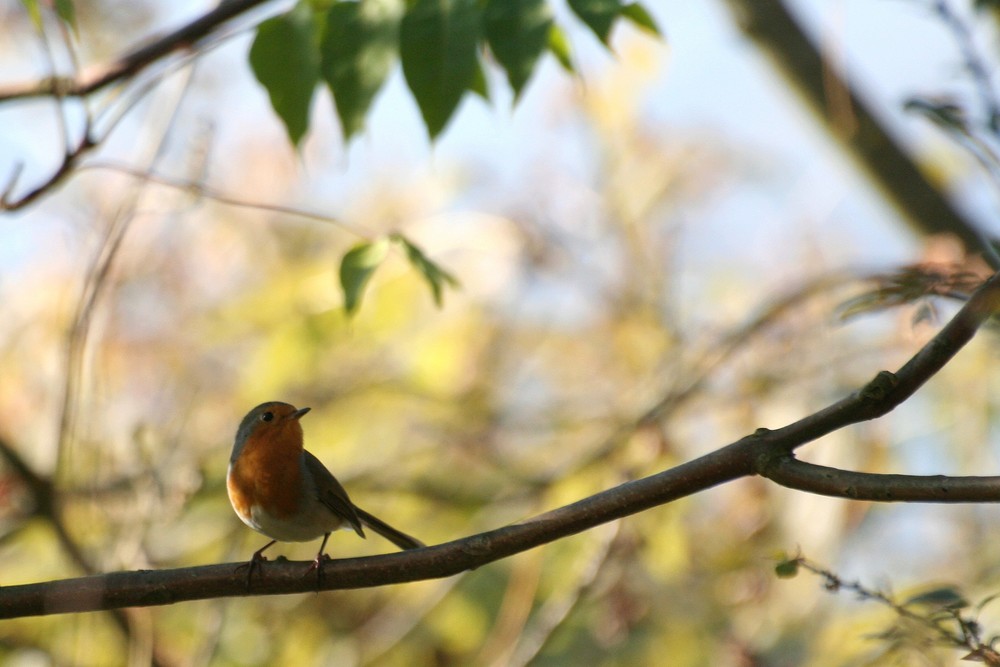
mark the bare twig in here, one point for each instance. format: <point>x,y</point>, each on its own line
<point>200,190</point>
<point>974,62</point>
<point>943,617</point>
<point>70,160</point>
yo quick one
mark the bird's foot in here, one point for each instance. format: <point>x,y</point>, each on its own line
<point>317,565</point>
<point>255,561</point>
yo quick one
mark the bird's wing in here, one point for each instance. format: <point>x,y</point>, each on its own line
<point>332,494</point>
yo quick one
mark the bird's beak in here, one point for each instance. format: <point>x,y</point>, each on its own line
<point>299,413</point>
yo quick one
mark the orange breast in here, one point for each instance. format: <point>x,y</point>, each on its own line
<point>268,473</point>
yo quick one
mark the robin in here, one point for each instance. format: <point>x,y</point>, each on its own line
<point>284,492</point>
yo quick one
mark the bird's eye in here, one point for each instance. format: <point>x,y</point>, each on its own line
<point>267,416</point>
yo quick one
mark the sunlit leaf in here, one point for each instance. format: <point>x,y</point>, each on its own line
<point>437,43</point>
<point>480,85</point>
<point>599,15</point>
<point>66,11</point>
<point>560,48</point>
<point>285,61</point>
<point>640,16</point>
<point>34,11</point>
<point>358,49</point>
<point>518,34</point>
<point>435,276</point>
<point>356,269</point>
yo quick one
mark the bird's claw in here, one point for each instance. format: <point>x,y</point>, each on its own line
<point>255,562</point>
<point>317,565</point>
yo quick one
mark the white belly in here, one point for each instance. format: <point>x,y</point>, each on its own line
<point>312,523</point>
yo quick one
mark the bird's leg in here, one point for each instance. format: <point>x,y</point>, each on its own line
<point>255,561</point>
<point>317,564</point>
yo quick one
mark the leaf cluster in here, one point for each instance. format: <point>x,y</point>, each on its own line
<point>351,47</point>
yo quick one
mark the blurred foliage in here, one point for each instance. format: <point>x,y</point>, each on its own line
<point>582,312</point>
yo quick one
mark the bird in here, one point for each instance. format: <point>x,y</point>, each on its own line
<point>282,491</point>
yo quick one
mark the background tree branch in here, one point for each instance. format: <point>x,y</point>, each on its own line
<point>850,119</point>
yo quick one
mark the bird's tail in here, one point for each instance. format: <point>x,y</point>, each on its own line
<point>397,537</point>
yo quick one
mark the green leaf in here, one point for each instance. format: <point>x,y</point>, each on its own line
<point>480,85</point>
<point>356,269</point>
<point>34,11</point>
<point>641,17</point>
<point>560,48</point>
<point>787,569</point>
<point>518,33</point>
<point>67,12</point>
<point>437,43</point>
<point>358,49</point>
<point>435,276</point>
<point>599,15</point>
<point>64,10</point>
<point>285,61</point>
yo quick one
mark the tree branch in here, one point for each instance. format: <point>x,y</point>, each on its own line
<point>132,61</point>
<point>760,453</point>
<point>8,202</point>
<point>795,474</point>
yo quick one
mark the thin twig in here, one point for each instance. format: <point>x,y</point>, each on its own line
<point>974,62</point>
<point>931,616</point>
<point>70,160</point>
<point>201,190</point>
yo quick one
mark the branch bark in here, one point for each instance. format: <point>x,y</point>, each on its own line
<point>795,474</point>
<point>763,452</point>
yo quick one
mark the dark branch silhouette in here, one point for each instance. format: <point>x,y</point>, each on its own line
<point>851,120</point>
<point>765,452</point>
